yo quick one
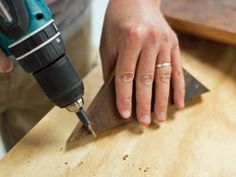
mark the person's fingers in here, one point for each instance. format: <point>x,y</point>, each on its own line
<point>143,84</point>
<point>6,64</point>
<point>145,77</point>
<point>124,76</point>
<point>162,84</point>
<point>177,77</point>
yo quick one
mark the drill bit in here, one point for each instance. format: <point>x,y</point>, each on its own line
<point>85,120</point>
<point>92,131</point>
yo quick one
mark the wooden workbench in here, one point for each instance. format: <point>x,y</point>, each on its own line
<point>213,19</point>
<point>199,141</point>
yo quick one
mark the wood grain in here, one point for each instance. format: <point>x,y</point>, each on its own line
<point>213,19</point>
<point>199,141</point>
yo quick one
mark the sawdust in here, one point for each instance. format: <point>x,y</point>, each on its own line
<point>28,161</point>
<point>81,163</point>
<point>125,157</point>
<point>146,169</point>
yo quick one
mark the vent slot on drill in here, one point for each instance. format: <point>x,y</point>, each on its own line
<point>39,16</point>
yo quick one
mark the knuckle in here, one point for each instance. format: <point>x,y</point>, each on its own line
<point>127,77</point>
<point>161,105</point>
<point>153,32</point>
<point>125,100</point>
<point>134,31</point>
<point>145,107</point>
<point>146,79</point>
<point>164,76</point>
<point>166,36</point>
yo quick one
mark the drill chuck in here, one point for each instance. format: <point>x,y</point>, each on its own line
<point>60,82</point>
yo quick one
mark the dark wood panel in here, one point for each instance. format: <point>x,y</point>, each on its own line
<point>213,19</point>
<point>104,114</point>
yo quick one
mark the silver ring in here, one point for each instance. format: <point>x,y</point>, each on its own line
<point>163,65</point>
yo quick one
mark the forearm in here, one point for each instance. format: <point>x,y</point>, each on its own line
<point>156,3</point>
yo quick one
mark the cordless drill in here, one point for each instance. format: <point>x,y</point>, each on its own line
<point>29,35</point>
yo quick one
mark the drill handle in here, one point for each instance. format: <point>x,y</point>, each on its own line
<point>14,19</point>
<point>19,19</point>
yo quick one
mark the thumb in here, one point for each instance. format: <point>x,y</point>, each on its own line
<point>6,64</point>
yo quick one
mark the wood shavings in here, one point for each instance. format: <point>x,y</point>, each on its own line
<point>125,157</point>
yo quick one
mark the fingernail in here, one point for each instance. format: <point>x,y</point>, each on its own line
<point>6,69</point>
<point>146,119</point>
<point>126,113</point>
<point>161,116</point>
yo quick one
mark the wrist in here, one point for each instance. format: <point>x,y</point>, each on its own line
<point>158,2</point>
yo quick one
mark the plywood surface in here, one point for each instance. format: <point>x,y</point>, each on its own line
<point>199,141</point>
<point>214,19</point>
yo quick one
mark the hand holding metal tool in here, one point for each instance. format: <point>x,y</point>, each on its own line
<point>28,34</point>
